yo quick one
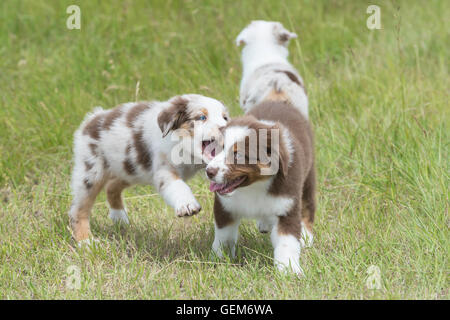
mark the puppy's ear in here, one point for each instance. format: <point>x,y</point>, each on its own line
<point>172,117</point>
<point>284,159</point>
<point>283,35</point>
<point>279,151</point>
<point>242,38</point>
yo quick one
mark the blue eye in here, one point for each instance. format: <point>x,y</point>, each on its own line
<point>202,117</point>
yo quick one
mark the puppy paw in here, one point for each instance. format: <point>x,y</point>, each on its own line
<point>88,243</point>
<point>119,216</point>
<point>290,268</point>
<point>306,238</point>
<point>188,209</point>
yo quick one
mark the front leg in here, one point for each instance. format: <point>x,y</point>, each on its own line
<point>286,244</point>
<point>226,230</point>
<point>175,192</point>
<point>225,238</point>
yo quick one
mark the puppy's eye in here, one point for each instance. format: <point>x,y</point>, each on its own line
<point>202,117</point>
<point>225,118</point>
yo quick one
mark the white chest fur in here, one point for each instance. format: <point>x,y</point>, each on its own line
<point>254,202</point>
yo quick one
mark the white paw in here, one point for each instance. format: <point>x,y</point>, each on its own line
<point>219,248</point>
<point>290,267</point>
<point>119,215</point>
<point>88,243</point>
<point>306,238</point>
<point>188,209</point>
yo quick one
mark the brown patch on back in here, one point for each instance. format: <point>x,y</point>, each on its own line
<point>143,153</point>
<point>93,127</point>
<point>112,116</point>
<point>129,167</point>
<point>88,166</point>
<point>135,112</point>
<point>275,95</point>
<point>222,217</point>
<point>293,77</point>
<point>128,149</point>
<point>93,148</point>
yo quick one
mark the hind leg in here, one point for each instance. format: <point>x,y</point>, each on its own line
<point>308,209</point>
<point>88,179</point>
<point>117,211</point>
<point>84,198</point>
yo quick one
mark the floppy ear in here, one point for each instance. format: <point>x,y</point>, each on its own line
<point>172,117</point>
<point>241,38</point>
<point>284,159</point>
<point>283,35</point>
<point>280,150</point>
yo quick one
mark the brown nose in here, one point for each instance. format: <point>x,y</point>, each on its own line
<point>211,172</point>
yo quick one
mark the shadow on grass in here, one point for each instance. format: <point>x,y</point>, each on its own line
<point>176,241</point>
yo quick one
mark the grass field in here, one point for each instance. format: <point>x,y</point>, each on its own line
<point>378,102</point>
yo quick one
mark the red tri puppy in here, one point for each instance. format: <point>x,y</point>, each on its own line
<point>266,169</point>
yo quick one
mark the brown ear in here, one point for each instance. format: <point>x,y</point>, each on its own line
<point>283,35</point>
<point>284,159</point>
<point>172,117</point>
<point>281,150</point>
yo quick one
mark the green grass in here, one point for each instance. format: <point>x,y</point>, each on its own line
<point>378,102</point>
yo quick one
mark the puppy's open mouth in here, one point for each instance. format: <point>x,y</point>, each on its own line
<point>209,148</point>
<point>224,188</point>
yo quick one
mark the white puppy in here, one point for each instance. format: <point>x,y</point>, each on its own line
<point>267,74</point>
<point>130,144</point>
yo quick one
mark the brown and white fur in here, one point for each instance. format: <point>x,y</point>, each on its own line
<point>267,74</point>
<point>131,144</point>
<point>284,201</point>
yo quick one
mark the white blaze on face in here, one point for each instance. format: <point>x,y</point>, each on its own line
<point>207,130</point>
<point>232,135</point>
<point>208,117</point>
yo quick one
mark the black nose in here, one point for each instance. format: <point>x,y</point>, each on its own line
<point>211,172</point>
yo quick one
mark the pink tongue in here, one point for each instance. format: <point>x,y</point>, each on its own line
<point>213,187</point>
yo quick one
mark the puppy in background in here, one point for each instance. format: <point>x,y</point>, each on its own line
<point>267,74</point>
<point>280,193</point>
<point>130,144</point>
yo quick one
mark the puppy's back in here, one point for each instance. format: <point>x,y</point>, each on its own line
<point>290,117</point>
<point>300,142</point>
